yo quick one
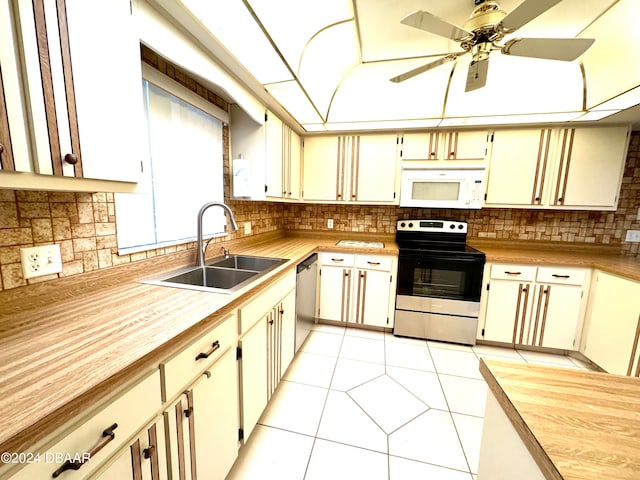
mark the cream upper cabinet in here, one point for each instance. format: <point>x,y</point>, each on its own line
<point>570,168</point>
<point>356,168</point>
<point>444,145</point>
<point>85,120</point>
<point>274,149</point>
<point>612,324</point>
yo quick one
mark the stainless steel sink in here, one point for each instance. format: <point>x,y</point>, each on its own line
<point>212,277</point>
<point>247,262</point>
<point>222,275</point>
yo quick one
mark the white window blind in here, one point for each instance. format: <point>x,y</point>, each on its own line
<point>184,172</point>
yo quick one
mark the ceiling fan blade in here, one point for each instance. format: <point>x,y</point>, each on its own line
<point>424,68</point>
<point>566,49</point>
<point>477,74</point>
<point>524,13</point>
<point>430,23</point>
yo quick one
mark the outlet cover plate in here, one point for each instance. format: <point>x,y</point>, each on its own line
<point>633,236</point>
<point>41,260</point>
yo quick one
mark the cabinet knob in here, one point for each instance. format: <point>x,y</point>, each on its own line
<point>71,158</point>
<point>188,412</point>
<point>560,199</point>
<point>148,452</point>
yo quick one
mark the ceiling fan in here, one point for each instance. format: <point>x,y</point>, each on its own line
<point>487,26</point>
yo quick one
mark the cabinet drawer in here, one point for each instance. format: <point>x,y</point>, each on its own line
<point>130,412</point>
<point>259,305</point>
<point>564,275</point>
<point>179,371</point>
<point>501,271</point>
<point>337,259</point>
<point>374,262</point>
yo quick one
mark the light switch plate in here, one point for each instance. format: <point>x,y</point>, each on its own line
<point>247,228</point>
<point>330,223</point>
<point>39,261</point>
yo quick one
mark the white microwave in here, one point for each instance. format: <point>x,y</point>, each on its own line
<point>442,188</point>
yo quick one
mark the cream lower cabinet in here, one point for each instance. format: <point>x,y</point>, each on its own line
<point>612,327</point>
<point>357,289</point>
<point>536,306</point>
<point>265,349</point>
<point>202,425</point>
<point>144,459</point>
<point>92,441</point>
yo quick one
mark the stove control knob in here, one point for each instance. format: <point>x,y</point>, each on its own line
<point>410,225</point>
<point>460,227</point>
<point>403,224</point>
<point>452,226</point>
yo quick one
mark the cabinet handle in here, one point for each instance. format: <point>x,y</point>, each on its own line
<point>373,263</point>
<point>512,273</point>
<point>214,346</point>
<point>149,451</point>
<point>188,412</point>
<point>281,311</point>
<point>337,259</point>
<point>71,158</point>
<point>107,436</point>
<point>560,200</point>
<point>560,276</point>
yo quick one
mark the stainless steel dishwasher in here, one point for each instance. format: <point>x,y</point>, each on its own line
<point>306,280</point>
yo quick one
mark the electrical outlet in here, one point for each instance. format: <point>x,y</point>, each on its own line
<point>39,261</point>
<point>247,228</point>
<point>633,236</point>
<point>330,223</point>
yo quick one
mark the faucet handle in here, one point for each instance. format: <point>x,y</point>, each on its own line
<point>225,251</point>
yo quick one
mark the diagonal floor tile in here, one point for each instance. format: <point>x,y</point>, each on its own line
<point>424,385</point>
<point>470,433</point>
<point>430,438</point>
<point>408,356</point>
<point>344,421</point>
<point>363,349</point>
<point>387,403</point>
<point>404,469</point>
<point>311,369</point>
<point>465,395</point>
<point>272,453</point>
<point>295,407</point>
<point>351,373</point>
<point>336,461</point>
<point>456,362</point>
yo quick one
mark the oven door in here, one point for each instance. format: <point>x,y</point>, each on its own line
<point>445,275</point>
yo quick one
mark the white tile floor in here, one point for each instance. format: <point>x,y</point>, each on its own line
<point>361,404</point>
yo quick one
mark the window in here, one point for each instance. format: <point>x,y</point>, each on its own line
<point>183,172</point>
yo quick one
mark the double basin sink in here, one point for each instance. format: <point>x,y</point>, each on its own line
<point>220,275</point>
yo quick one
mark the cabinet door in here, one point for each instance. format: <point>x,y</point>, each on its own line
<point>180,438</point>
<point>420,146</point>
<point>519,160</point>
<point>320,168</point>
<point>295,161</point>
<point>591,166</point>
<point>372,298</point>
<point>274,141</point>
<point>556,316</point>
<point>253,376</point>
<point>335,293</point>
<point>144,459</point>
<point>375,169</point>
<point>216,415</point>
<point>612,323</point>
<point>465,145</point>
<point>288,314</point>
<point>508,305</point>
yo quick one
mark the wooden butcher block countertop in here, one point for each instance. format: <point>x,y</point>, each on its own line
<point>577,424</point>
<point>66,343</point>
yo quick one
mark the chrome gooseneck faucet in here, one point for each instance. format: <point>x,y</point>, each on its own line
<point>201,247</point>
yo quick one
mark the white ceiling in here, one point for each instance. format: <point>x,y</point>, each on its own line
<point>328,63</point>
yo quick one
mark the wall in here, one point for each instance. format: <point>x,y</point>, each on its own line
<point>507,224</point>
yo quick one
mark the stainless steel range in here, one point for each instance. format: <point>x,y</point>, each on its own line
<point>439,281</point>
